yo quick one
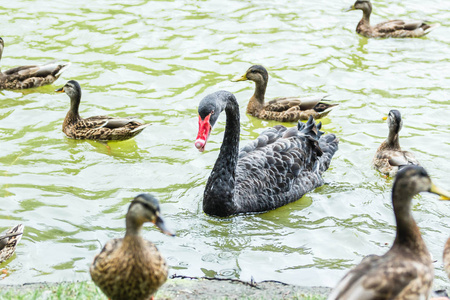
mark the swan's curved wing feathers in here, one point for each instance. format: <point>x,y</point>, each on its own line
<point>281,165</point>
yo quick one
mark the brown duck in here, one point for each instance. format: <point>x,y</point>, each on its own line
<point>131,267</point>
<point>9,240</point>
<point>25,77</point>
<point>391,28</point>
<point>405,272</point>
<point>101,128</point>
<point>389,155</point>
<point>285,109</point>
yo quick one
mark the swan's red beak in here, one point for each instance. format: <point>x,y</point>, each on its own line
<point>204,129</point>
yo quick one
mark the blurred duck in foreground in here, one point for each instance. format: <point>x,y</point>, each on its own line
<point>131,267</point>
<point>9,240</point>
<point>389,156</point>
<point>285,109</point>
<point>100,128</point>
<point>406,270</point>
<point>25,77</point>
<point>389,29</point>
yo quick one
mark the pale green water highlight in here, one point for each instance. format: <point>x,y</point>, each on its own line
<point>156,60</point>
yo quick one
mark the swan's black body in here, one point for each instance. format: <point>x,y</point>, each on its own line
<point>279,167</point>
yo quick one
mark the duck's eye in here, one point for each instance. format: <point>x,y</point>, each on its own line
<point>253,71</point>
<point>212,112</point>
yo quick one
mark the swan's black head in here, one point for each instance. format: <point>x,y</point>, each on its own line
<point>413,179</point>
<point>364,5</point>
<point>145,208</point>
<point>256,73</point>
<point>71,88</point>
<point>208,112</point>
<point>394,120</point>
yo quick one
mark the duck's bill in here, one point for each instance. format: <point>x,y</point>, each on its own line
<point>350,8</point>
<point>60,90</point>
<point>445,195</point>
<point>239,78</point>
<point>160,224</point>
<point>384,118</point>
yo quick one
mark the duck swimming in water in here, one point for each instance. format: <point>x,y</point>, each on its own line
<point>406,271</point>
<point>100,128</point>
<point>389,29</point>
<point>285,109</point>
<point>389,155</point>
<point>277,168</point>
<point>25,77</point>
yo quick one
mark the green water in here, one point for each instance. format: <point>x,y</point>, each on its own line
<point>157,60</point>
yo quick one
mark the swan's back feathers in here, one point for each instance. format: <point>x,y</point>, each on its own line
<point>282,165</point>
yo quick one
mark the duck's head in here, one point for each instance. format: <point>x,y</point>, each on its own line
<point>145,208</point>
<point>256,73</point>
<point>394,120</point>
<point>364,5</point>
<point>71,88</point>
<point>414,179</point>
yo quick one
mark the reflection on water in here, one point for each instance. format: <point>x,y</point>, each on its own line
<point>156,60</point>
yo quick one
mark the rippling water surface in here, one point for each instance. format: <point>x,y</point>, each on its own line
<point>157,60</point>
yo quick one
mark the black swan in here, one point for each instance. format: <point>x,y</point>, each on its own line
<point>277,168</point>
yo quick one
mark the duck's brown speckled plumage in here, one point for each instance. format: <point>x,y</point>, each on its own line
<point>405,272</point>
<point>285,109</point>
<point>446,257</point>
<point>277,168</point>
<point>25,77</point>
<point>391,28</point>
<point>9,240</point>
<point>101,128</point>
<point>131,267</point>
<point>389,155</point>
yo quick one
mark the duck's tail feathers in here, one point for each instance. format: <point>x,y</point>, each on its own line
<point>140,128</point>
<point>431,28</point>
<point>63,68</point>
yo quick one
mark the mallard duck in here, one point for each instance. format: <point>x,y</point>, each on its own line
<point>389,155</point>
<point>131,267</point>
<point>9,240</point>
<point>387,29</point>
<point>286,109</point>
<point>277,168</point>
<point>406,270</point>
<point>100,128</point>
<point>30,76</point>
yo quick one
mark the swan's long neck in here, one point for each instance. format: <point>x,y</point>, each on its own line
<point>219,193</point>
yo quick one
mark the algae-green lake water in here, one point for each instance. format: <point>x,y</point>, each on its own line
<point>157,60</point>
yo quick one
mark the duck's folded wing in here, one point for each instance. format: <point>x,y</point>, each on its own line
<point>394,25</point>
<point>282,104</point>
<point>286,103</point>
<point>54,69</point>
